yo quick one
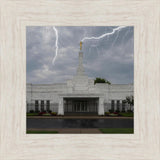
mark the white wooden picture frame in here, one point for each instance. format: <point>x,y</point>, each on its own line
<point>144,144</point>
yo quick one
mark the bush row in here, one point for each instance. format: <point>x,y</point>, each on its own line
<point>124,114</point>
<point>112,111</point>
<point>46,113</point>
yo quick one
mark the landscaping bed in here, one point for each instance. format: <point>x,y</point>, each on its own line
<point>44,113</point>
<point>109,114</point>
<point>119,114</point>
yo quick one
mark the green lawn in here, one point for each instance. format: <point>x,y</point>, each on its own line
<point>116,130</point>
<point>103,130</point>
<point>41,132</point>
<point>126,114</point>
<point>32,114</point>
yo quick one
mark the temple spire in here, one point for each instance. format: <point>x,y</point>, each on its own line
<point>80,69</point>
<point>81,45</point>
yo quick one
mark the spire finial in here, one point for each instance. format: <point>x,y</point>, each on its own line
<point>80,45</point>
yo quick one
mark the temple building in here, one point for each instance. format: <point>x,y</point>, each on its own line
<point>78,96</point>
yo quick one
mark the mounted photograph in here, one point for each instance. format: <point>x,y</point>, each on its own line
<point>80,79</point>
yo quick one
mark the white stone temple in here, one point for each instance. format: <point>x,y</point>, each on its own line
<point>78,95</point>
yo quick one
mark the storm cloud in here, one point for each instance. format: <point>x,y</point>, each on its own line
<point>111,57</point>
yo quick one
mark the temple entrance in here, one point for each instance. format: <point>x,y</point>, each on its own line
<point>81,106</point>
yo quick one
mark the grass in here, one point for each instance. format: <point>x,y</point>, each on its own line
<point>47,114</point>
<point>103,130</point>
<point>116,130</point>
<point>32,114</point>
<point>41,132</point>
<point>126,114</point>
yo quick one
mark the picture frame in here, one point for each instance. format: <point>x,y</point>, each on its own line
<point>143,144</point>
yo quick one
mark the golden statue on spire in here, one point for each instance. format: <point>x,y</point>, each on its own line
<point>81,45</point>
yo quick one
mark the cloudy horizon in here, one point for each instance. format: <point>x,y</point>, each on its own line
<point>111,57</point>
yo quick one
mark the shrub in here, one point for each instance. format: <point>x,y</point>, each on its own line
<point>41,113</point>
<point>107,113</point>
<point>31,111</point>
<point>46,114</point>
<point>53,113</point>
<point>117,111</point>
<point>49,111</point>
<point>113,114</point>
<point>111,111</point>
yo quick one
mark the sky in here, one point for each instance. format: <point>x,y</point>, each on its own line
<point>111,57</point>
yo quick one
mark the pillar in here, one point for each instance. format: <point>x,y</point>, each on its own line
<point>60,107</point>
<point>120,107</point>
<point>101,106</point>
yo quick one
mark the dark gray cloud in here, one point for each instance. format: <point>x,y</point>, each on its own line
<point>111,57</point>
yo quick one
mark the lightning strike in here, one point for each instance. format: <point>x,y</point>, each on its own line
<point>56,45</point>
<point>85,38</point>
<point>103,35</point>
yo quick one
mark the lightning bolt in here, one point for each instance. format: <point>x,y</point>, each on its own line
<point>85,38</point>
<point>104,35</point>
<point>56,45</point>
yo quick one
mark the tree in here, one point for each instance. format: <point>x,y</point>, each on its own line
<point>130,101</point>
<point>101,80</point>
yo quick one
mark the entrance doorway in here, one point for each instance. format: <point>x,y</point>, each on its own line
<point>81,106</point>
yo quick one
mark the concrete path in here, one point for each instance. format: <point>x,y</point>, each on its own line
<point>71,130</point>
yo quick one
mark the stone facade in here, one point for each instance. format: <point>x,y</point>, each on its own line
<point>79,94</point>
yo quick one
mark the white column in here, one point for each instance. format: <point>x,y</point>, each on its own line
<point>39,105</point>
<point>60,107</point>
<point>115,107</point>
<point>51,106</point>
<point>120,107</point>
<point>101,106</point>
<point>107,107</point>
